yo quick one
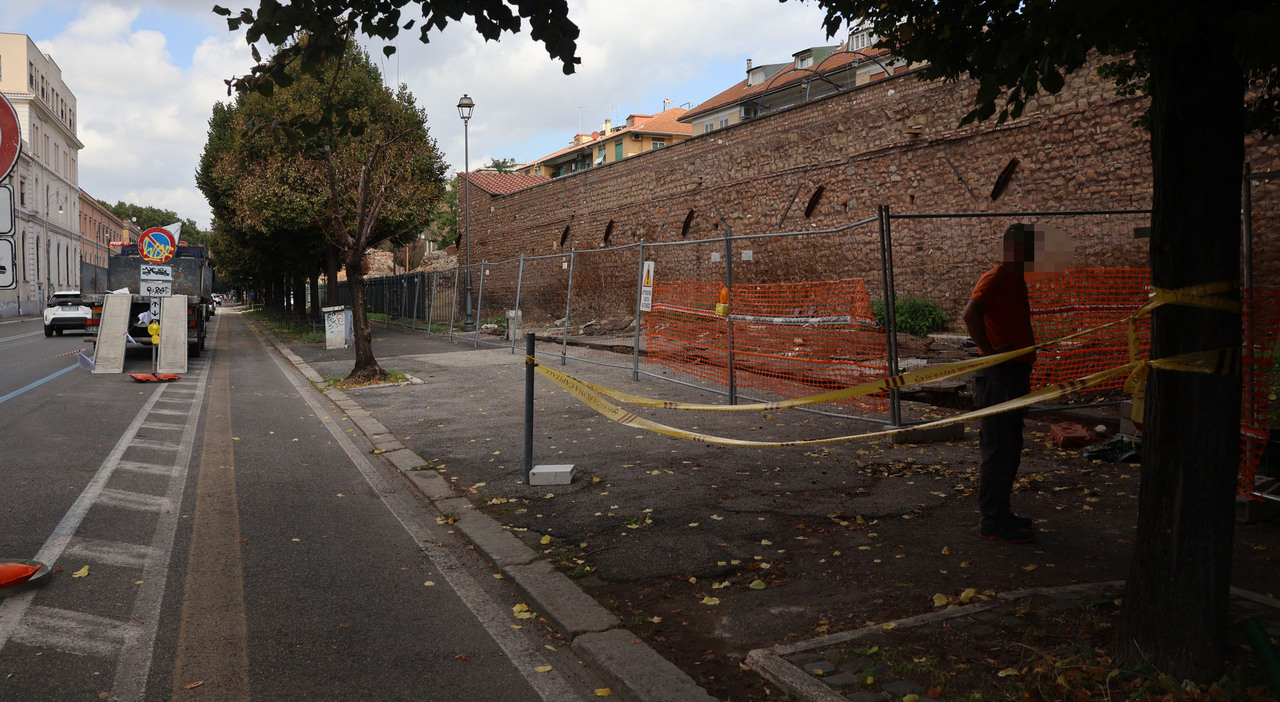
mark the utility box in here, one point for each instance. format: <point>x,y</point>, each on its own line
<point>338,332</point>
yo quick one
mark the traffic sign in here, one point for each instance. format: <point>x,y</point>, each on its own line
<point>7,213</point>
<point>646,289</point>
<point>155,272</point>
<point>10,137</point>
<point>157,245</point>
<point>8,274</point>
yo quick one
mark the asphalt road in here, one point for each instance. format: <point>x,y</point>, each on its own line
<point>241,542</point>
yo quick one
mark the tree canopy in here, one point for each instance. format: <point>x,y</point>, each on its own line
<point>147,217</point>
<point>1211,75</point>
<point>330,23</point>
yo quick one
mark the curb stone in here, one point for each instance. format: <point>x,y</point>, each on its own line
<point>632,668</point>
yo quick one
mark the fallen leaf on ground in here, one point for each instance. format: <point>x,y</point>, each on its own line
<point>710,601</point>
<point>193,685</point>
<point>542,669</point>
<point>462,657</point>
<point>82,573</point>
<point>603,692</point>
<point>939,600</point>
<point>1007,672</point>
<point>430,583</point>
<point>545,540</point>
<point>757,584</point>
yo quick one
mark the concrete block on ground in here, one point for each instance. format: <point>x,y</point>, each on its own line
<point>497,544</point>
<point>559,474</point>
<point>405,459</point>
<point>636,670</point>
<point>429,483</point>
<point>949,432</point>
<point>556,597</point>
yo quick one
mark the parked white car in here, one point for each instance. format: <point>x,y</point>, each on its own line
<point>64,311</point>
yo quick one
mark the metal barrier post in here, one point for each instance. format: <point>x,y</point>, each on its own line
<point>890,312</point>
<point>728,318</point>
<point>475,340</point>
<point>430,301</point>
<point>528,404</point>
<point>516,311</point>
<point>453,306</point>
<point>635,350</point>
<point>417,295</point>
<point>568,297</point>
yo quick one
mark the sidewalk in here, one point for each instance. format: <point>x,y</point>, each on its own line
<point>716,565</point>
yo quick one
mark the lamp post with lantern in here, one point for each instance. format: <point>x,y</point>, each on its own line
<point>465,106</point>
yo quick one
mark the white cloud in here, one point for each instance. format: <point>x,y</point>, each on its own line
<point>143,116</point>
<point>143,120</point>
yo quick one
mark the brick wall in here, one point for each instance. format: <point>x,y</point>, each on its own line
<point>829,163</point>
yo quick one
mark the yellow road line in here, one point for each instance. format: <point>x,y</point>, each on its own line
<point>213,645</point>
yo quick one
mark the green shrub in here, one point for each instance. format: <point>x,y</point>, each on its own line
<point>915,315</point>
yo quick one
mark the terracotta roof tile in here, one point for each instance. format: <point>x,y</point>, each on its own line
<point>665,123</point>
<point>504,183</point>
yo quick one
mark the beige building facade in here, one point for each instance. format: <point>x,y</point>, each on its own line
<point>45,182</point>
<point>98,227</point>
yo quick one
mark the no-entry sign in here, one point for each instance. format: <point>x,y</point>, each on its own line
<point>10,137</point>
<point>157,245</point>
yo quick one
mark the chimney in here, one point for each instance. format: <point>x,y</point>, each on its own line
<point>607,124</point>
<point>748,65</point>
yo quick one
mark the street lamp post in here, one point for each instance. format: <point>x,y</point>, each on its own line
<point>48,263</point>
<point>465,106</point>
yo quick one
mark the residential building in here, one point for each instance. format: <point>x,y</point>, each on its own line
<point>810,74</point>
<point>640,133</point>
<point>99,226</point>
<point>45,181</point>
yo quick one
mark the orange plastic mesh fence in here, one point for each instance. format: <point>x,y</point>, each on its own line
<point>1261,312</point>
<point>790,339</point>
<point>1079,299</point>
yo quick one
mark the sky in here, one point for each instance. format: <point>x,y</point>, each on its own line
<point>146,74</point>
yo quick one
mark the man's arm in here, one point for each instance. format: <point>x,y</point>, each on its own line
<point>977,330</point>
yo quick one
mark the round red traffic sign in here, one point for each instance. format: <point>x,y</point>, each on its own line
<point>157,245</point>
<point>10,137</point>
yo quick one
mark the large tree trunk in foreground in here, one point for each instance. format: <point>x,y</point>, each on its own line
<point>1175,603</point>
<point>366,368</point>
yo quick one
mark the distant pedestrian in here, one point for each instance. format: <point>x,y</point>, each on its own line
<point>998,317</point>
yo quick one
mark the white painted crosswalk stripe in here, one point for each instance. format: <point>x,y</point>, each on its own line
<point>132,500</point>
<point>74,632</point>
<point>149,468</point>
<point>112,553</point>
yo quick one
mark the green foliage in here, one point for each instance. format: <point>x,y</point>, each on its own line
<point>915,315</point>
<point>327,27</point>
<point>501,165</point>
<point>1016,49</point>
<point>148,217</point>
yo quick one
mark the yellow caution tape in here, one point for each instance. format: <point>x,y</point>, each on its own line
<point>1205,295</point>
<point>597,402</point>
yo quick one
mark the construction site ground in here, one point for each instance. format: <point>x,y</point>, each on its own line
<point>710,552</point>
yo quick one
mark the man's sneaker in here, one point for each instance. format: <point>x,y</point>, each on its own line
<point>1008,532</point>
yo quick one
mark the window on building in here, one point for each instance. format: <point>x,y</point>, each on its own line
<point>22,192</point>
<point>707,127</point>
<point>804,59</point>
<point>617,150</point>
<point>658,144</point>
<point>724,122</point>
<point>862,40</point>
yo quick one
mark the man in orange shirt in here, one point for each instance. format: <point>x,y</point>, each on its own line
<point>998,317</point>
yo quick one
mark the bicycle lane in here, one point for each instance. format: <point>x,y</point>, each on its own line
<point>350,588</point>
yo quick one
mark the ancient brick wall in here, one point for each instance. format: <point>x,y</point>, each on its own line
<point>830,163</point>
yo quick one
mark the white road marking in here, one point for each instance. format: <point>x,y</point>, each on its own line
<point>74,632</point>
<point>112,553</point>
<point>131,637</point>
<point>156,445</point>
<point>131,500</point>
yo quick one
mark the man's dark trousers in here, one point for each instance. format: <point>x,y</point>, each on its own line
<point>1000,438</point>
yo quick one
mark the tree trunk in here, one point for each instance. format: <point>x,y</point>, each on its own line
<point>313,280</point>
<point>366,368</point>
<point>331,273</point>
<point>1175,602</point>
<point>299,296</point>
